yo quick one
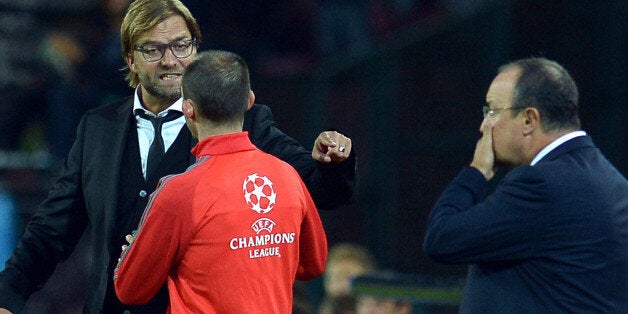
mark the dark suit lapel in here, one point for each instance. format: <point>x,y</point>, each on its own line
<point>115,130</point>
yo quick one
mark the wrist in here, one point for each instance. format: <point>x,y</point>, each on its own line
<point>486,172</point>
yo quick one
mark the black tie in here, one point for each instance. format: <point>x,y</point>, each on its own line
<point>156,151</point>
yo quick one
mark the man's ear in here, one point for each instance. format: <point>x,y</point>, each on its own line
<point>251,100</point>
<point>531,120</point>
<point>130,62</point>
<point>188,108</point>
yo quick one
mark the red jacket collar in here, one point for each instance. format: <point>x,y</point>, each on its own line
<point>223,144</point>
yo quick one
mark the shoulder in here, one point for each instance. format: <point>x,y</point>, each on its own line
<point>112,111</point>
<point>258,109</point>
<point>121,104</point>
<point>530,181</point>
<point>173,189</point>
<point>256,115</point>
<point>525,172</point>
<point>277,166</point>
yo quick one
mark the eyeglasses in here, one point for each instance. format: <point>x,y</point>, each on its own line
<point>154,52</point>
<point>491,112</point>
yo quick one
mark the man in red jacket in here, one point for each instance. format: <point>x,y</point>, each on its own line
<point>231,234</point>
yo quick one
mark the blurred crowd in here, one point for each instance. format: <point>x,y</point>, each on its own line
<point>62,57</point>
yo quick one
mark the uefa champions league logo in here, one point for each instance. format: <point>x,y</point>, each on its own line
<point>261,196</point>
<point>259,193</point>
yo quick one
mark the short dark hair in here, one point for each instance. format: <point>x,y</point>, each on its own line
<point>547,86</point>
<point>218,83</point>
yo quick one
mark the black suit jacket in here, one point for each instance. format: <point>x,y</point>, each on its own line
<point>83,198</point>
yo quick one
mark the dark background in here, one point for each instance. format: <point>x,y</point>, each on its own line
<point>408,90</point>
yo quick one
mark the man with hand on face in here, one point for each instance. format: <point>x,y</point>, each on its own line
<point>113,166</point>
<point>553,236</point>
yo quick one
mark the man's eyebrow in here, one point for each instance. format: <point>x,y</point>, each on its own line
<point>154,42</point>
<point>150,42</point>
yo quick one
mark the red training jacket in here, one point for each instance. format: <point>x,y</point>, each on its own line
<point>230,235</point>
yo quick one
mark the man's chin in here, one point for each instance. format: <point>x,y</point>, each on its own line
<point>169,93</point>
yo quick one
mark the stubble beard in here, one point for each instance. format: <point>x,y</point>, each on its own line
<point>169,91</point>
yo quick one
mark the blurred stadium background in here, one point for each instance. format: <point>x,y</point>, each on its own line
<point>404,79</point>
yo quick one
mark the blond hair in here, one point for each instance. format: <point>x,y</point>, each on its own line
<point>141,17</point>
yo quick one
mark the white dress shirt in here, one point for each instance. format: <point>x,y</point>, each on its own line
<point>146,132</point>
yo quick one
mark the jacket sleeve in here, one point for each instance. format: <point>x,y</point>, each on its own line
<point>50,236</point>
<point>464,227</point>
<point>330,184</point>
<point>143,268</point>
<point>312,243</point>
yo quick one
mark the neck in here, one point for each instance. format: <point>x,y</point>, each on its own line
<point>153,103</point>
<point>207,131</point>
<point>544,139</point>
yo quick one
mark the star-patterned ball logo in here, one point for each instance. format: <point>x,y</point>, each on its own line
<point>259,193</point>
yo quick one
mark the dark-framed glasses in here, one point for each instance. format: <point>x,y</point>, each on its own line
<point>491,112</point>
<point>154,52</point>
